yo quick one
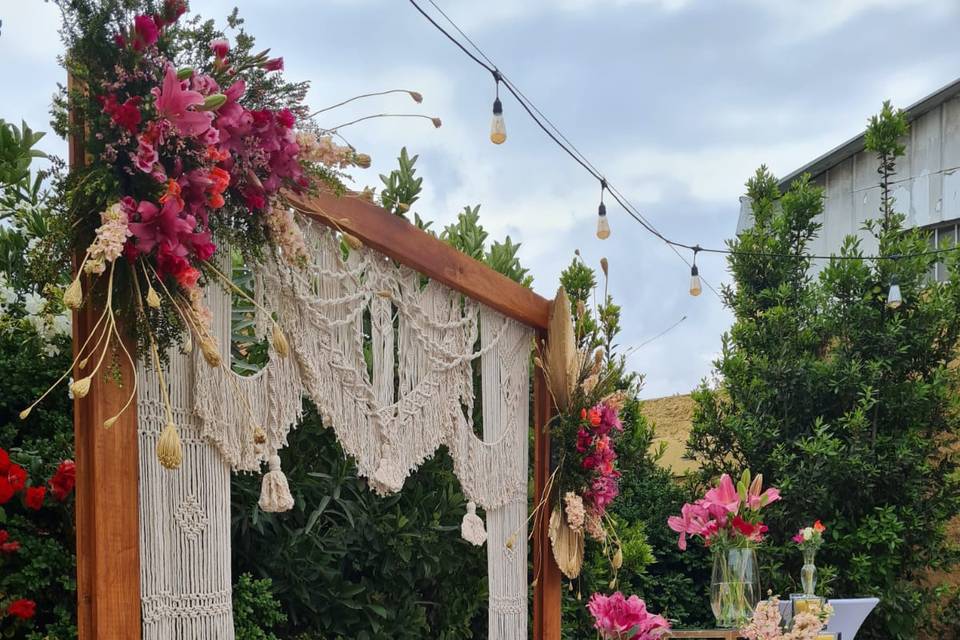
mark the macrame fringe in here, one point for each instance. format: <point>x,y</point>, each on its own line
<point>471,528</point>
<point>274,491</point>
<point>169,449</point>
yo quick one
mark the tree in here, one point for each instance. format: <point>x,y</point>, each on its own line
<point>841,398</point>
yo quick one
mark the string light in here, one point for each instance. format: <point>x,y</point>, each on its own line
<point>603,225</point>
<point>558,137</point>
<point>696,288</point>
<point>498,128</point>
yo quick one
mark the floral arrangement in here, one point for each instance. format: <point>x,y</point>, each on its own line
<point>14,481</point>
<point>190,141</point>
<point>768,625</point>
<point>585,480</point>
<point>619,618</point>
<point>727,515</point>
<point>810,538</point>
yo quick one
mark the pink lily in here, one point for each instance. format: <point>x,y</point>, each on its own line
<point>724,495</point>
<point>756,500</point>
<point>174,102</point>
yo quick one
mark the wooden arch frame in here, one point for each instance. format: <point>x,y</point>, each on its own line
<point>107,515</point>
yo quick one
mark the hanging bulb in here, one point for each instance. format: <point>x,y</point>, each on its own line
<point>894,297</point>
<point>603,226</point>
<point>696,288</point>
<point>498,129</point>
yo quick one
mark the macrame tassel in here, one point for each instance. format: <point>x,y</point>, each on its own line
<point>471,528</point>
<point>169,449</point>
<point>274,491</point>
<point>389,477</point>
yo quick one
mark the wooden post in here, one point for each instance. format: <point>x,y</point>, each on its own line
<point>547,589</point>
<point>107,514</point>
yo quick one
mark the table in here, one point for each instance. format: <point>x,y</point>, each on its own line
<point>716,634</point>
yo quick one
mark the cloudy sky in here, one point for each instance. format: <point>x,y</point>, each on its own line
<point>676,101</point>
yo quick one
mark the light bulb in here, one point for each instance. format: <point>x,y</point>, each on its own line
<point>696,288</point>
<point>603,226</point>
<point>498,128</point>
<point>894,298</point>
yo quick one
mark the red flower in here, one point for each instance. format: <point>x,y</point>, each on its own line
<point>125,115</point>
<point>33,497</point>
<point>120,41</point>
<point>584,440</point>
<point>16,476</point>
<point>145,32</point>
<point>254,200</point>
<point>6,491</point>
<point>583,414</point>
<point>7,547</point>
<point>285,118</point>
<point>187,278</point>
<point>23,609</point>
<point>4,461</point>
<point>63,480</point>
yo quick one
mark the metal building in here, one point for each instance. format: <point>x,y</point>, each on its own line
<point>926,187</point>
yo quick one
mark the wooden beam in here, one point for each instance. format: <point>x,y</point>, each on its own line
<point>547,588</point>
<point>395,237</point>
<point>107,513</point>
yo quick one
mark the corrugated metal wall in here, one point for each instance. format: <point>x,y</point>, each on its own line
<point>927,185</point>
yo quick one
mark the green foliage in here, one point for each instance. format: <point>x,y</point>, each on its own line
<point>43,569</point>
<point>255,610</point>
<point>847,405</point>
<point>16,153</point>
<point>401,189</point>
<point>347,563</point>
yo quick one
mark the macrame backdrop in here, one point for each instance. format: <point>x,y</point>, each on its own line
<point>416,395</point>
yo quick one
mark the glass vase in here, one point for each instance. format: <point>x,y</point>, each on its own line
<point>735,586</point>
<point>808,573</point>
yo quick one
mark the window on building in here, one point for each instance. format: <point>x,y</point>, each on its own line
<point>942,236</point>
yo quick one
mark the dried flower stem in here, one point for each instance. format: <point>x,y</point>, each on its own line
<point>77,358</point>
<point>412,94</point>
<point>434,120</point>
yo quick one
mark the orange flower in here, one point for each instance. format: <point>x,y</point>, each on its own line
<point>221,179</point>
<point>173,193</point>
<point>216,155</point>
<point>583,414</point>
<point>818,527</point>
<point>216,200</point>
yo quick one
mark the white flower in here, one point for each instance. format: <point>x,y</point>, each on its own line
<point>7,293</point>
<point>70,388</point>
<point>62,324</point>
<point>51,350</point>
<point>33,304</point>
<point>808,533</point>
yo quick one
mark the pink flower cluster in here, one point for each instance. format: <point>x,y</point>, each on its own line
<point>594,440</point>
<point>724,515</point>
<point>619,618</point>
<point>196,145</point>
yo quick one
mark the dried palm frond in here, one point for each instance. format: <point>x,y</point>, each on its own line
<point>561,362</point>
<point>567,545</point>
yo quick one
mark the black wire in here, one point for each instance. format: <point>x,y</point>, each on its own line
<point>561,140</point>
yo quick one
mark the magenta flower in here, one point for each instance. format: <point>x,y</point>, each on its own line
<point>692,521</point>
<point>757,500</point>
<point>724,495</point>
<point>220,47</point>
<point>616,617</point>
<point>145,32</point>
<point>156,225</point>
<point>273,64</point>
<point>174,102</point>
<point>146,156</point>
